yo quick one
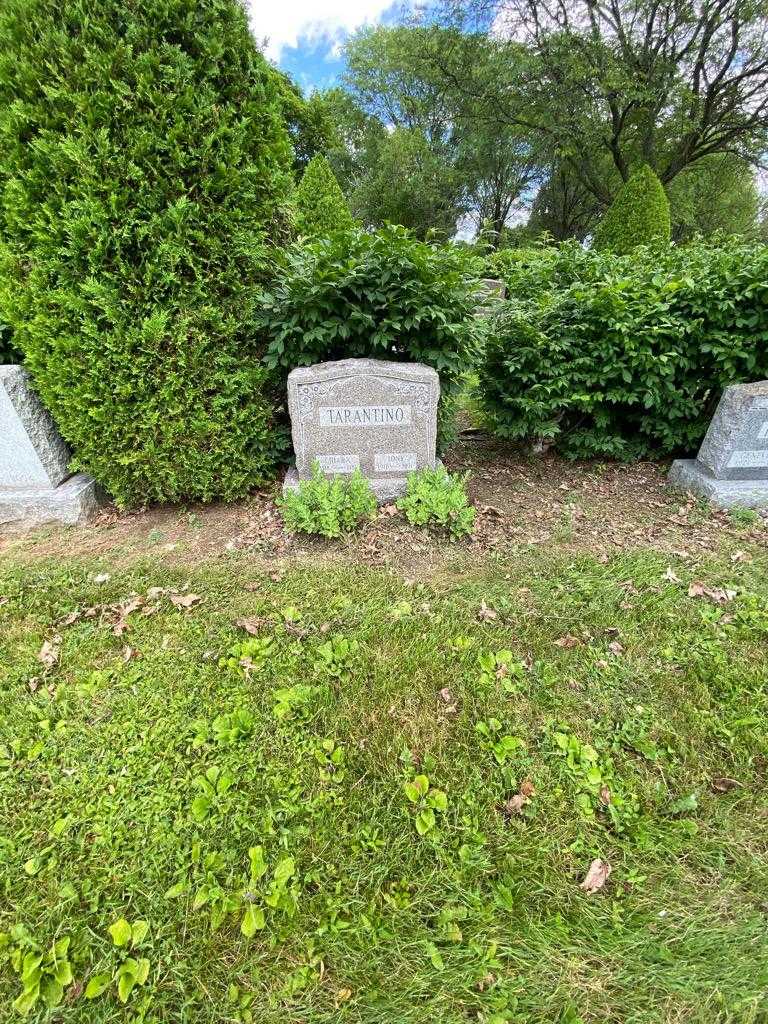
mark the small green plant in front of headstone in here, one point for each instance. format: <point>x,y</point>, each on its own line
<point>328,507</point>
<point>741,516</point>
<point>437,498</point>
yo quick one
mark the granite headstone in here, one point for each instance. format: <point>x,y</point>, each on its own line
<point>367,414</point>
<point>36,486</point>
<point>732,465</point>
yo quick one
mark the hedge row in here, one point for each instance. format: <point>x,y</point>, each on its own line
<point>144,167</point>
<point>625,357</point>
<point>383,295</point>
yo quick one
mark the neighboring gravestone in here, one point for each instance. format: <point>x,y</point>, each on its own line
<point>732,465</point>
<point>35,484</point>
<point>379,417</point>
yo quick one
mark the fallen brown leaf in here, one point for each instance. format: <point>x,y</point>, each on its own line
<point>598,874</point>
<point>185,600</point>
<point>48,654</point>
<point>671,576</point>
<point>568,641</point>
<point>725,785</point>
<point>252,626</point>
<point>449,701</point>
<point>486,614</point>
<point>515,804</point>
<point>615,647</point>
<point>718,595</point>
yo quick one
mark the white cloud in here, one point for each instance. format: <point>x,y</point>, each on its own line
<point>288,22</point>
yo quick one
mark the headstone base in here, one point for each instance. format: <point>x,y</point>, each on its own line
<point>384,490</point>
<point>690,475</point>
<point>73,502</point>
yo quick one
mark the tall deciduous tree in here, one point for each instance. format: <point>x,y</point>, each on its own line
<point>457,161</point>
<point>663,82</point>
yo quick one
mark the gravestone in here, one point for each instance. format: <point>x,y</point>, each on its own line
<point>732,465</point>
<point>367,414</point>
<point>36,486</point>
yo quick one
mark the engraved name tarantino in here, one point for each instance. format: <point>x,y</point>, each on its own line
<point>364,416</point>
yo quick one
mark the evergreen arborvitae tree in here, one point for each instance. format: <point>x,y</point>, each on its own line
<point>144,172</point>
<point>320,203</point>
<point>639,215</point>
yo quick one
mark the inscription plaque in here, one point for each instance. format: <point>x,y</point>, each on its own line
<point>380,417</point>
<point>388,462</point>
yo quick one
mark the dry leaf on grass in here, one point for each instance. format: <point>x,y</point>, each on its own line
<point>487,614</point>
<point>568,641</point>
<point>671,576</point>
<point>252,626</point>
<point>615,647</point>
<point>516,803</point>
<point>185,600</point>
<point>725,785</point>
<point>103,577</point>
<point>48,654</point>
<point>718,595</point>
<point>598,874</point>
<point>449,701</point>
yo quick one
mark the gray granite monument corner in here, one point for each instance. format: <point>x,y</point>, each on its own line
<point>36,486</point>
<point>367,414</point>
<point>732,465</point>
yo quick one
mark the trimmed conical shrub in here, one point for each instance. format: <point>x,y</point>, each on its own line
<point>144,172</point>
<point>639,215</point>
<point>320,203</point>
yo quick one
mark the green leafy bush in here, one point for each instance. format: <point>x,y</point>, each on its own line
<point>629,358</point>
<point>329,506</point>
<point>435,497</point>
<point>144,165</point>
<point>639,215</point>
<point>320,204</point>
<point>383,295</point>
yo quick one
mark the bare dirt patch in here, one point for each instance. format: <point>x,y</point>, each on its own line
<point>521,500</point>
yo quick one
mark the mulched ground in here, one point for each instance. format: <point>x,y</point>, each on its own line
<point>521,500</point>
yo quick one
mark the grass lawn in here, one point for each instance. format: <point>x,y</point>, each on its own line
<point>380,804</point>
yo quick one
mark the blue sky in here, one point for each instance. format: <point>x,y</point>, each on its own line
<point>305,36</point>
